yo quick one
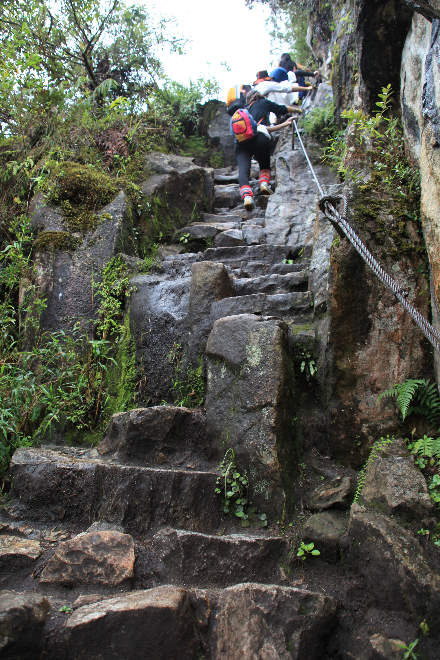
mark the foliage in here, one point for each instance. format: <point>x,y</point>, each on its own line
<point>75,47</point>
<point>307,550</point>
<point>50,380</point>
<point>232,486</point>
<point>320,123</point>
<point>175,101</point>
<point>188,384</point>
<point>379,138</point>
<point>305,362</point>
<point>420,397</point>
<point>416,396</point>
<point>112,289</point>
<point>408,650</point>
<point>376,449</point>
<point>66,609</point>
<point>289,22</point>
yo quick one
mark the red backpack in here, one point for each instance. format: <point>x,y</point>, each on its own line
<point>243,125</point>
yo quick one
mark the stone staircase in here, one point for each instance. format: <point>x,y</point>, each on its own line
<point>123,550</point>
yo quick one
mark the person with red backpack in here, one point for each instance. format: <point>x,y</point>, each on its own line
<point>252,140</point>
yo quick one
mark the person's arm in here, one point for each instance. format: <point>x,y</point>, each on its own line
<point>277,127</point>
<point>305,72</point>
<point>299,88</point>
<point>293,108</point>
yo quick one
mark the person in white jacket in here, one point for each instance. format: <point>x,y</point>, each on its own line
<point>283,93</point>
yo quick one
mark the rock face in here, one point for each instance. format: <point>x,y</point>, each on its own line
<point>22,618</point>
<point>248,395</point>
<point>64,277</point>
<point>181,188</point>
<point>217,129</point>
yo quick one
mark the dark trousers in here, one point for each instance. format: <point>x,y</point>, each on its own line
<point>259,148</point>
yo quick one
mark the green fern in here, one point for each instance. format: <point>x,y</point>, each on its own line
<point>427,447</point>
<point>416,396</point>
<point>376,449</point>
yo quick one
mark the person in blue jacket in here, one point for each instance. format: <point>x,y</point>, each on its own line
<point>286,64</point>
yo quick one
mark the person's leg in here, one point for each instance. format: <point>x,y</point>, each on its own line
<point>262,154</point>
<point>244,156</point>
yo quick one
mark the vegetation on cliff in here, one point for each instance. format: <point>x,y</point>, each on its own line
<point>87,99</point>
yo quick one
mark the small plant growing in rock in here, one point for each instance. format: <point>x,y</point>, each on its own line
<point>66,609</point>
<point>307,550</point>
<point>187,384</point>
<point>408,650</point>
<point>232,486</point>
<point>376,449</point>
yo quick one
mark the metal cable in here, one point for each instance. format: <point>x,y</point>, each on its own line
<point>326,205</point>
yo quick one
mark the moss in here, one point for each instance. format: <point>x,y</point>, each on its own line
<point>217,160</point>
<point>387,216</point>
<point>81,190</point>
<point>159,221</point>
<point>55,240</point>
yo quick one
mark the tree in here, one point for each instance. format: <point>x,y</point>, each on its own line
<point>55,51</point>
<point>289,19</point>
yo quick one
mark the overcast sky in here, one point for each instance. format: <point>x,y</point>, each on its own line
<point>220,31</point>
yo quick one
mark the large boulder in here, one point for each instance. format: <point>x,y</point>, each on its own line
<point>249,401</point>
<point>259,621</point>
<point>393,564</point>
<point>176,190</point>
<point>215,124</point>
<point>210,282</point>
<point>105,558</point>
<point>395,485</point>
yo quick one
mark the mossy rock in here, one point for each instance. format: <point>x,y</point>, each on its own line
<point>80,190</point>
<point>51,241</point>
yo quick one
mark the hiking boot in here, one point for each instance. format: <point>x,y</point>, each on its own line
<point>248,202</point>
<point>265,188</point>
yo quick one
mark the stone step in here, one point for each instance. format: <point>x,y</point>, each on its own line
<point>282,305</point>
<point>73,485</point>
<point>172,622</point>
<point>258,268</point>
<point>272,283</point>
<point>236,257</point>
<point>183,557</point>
<point>220,217</point>
<point>253,234</point>
<point>227,195</point>
<point>229,238</point>
<point>165,436</point>
<point>203,230</point>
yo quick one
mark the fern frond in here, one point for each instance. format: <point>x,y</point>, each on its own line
<point>424,446</point>
<point>436,447</point>
<point>416,391</point>
<point>406,394</point>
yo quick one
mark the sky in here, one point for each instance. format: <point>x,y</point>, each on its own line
<point>221,32</point>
